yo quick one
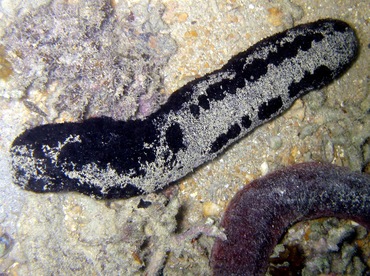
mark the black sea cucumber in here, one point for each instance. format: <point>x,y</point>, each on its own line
<point>261,212</point>
<point>115,159</point>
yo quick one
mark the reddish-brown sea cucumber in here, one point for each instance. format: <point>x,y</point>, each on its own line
<point>260,213</point>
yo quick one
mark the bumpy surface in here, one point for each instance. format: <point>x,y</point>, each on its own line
<point>97,58</point>
<point>259,214</point>
<point>116,159</point>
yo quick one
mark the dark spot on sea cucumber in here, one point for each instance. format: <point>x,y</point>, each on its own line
<point>340,27</point>
<point>221,140</point>
<point>194,109</point>
<point>267,109</point>
<point>174,138</point>
<point>288,50</point>
<point>261,212</point>
<point>215,92</point>
<point>246,122</point>
<point>203,102</point>
<point>319,77</point>
<point>230,86</point>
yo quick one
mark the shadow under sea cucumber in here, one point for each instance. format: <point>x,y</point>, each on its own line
<point>259,214</point>
<point>118,159</point>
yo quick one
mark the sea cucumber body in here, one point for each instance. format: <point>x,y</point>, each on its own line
<point>114,159</point>
<point>260,213</point>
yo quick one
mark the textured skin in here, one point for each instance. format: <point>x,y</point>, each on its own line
<point>116,159</point>
<point>259,214</point>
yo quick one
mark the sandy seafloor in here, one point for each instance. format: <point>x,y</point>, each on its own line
<point>72,234</point>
